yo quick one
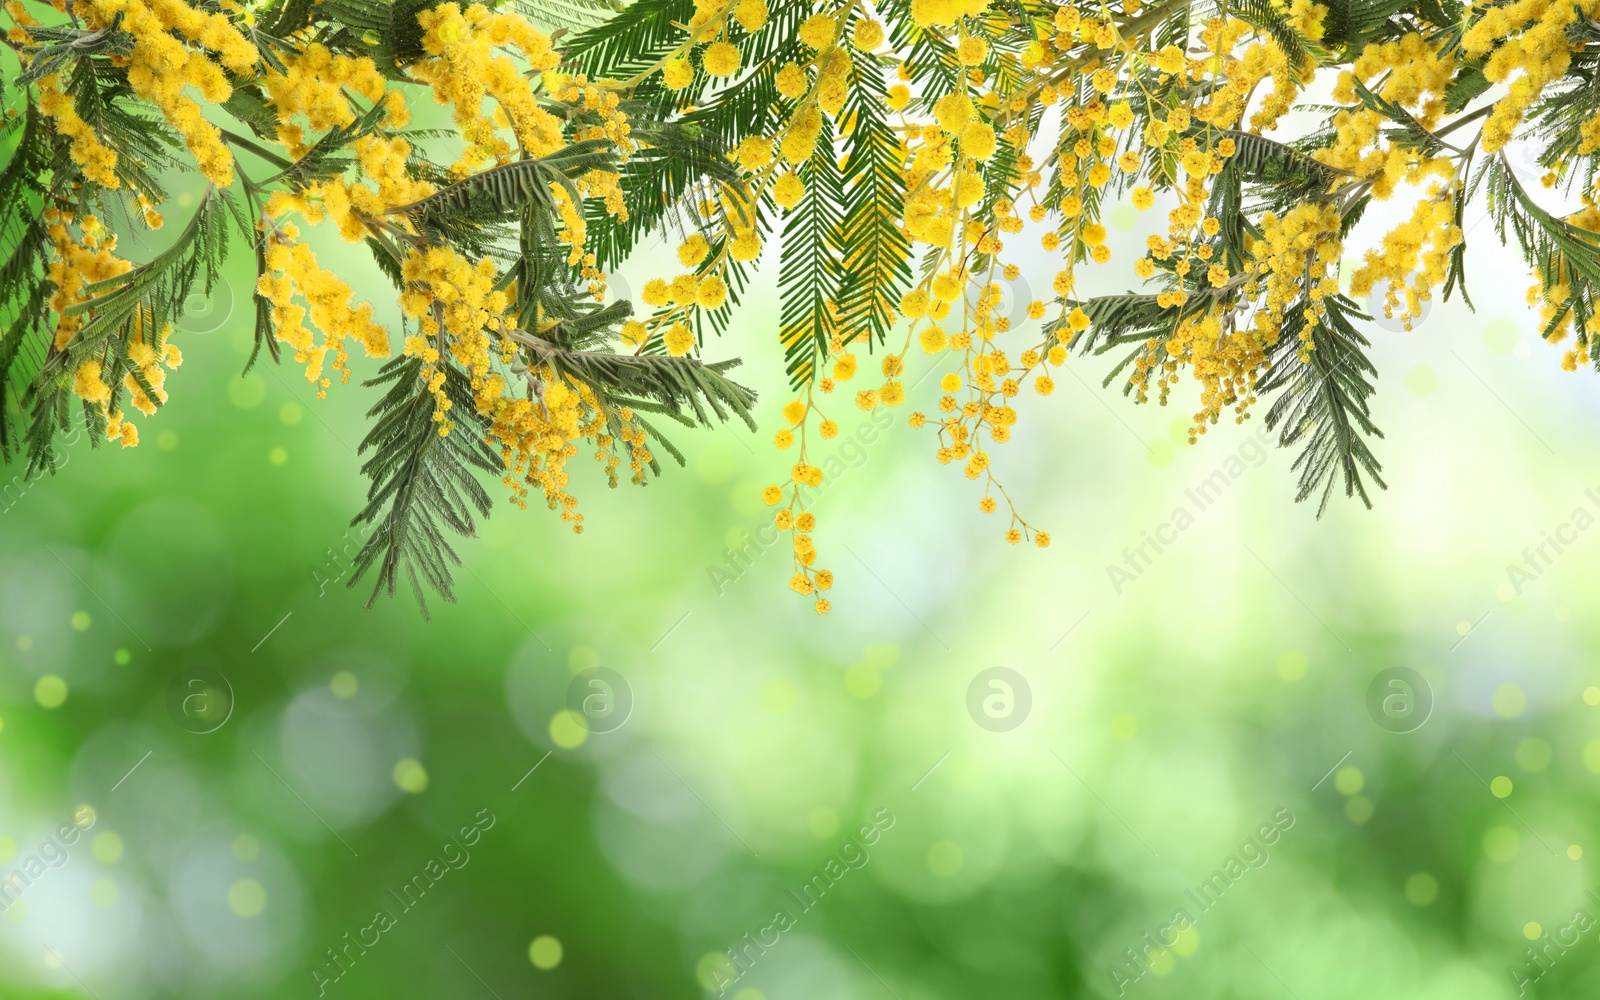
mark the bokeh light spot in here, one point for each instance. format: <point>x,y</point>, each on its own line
<point>862,680</point>
<point>778,696</point>
<point>50,691</point>
<point>1591,695</point>
<point>1349,780</point>
<point>8,848</point>
<point>1163,962</point>
<point>1421,381</point>
<point>1533,755</point>
<point>122,657</point>
<point>291,413</point>
<point>568,730</point>
<point>80,621</point>
<point>106,848</point>
<point>1575,852</point>
<point>1160,454</point>
<point>1509,701</point>
<point>1422,889</point>
<point>248,392</point>
<point>823,822</point>
<point>1358,809</point>
<point>1501,843</point>
<point>245,848</point>
<point>167,440</point>
<point>1292,664</point>
<point>1500,335</point>
<point>1532,931</point>
<point>1124,726</point>
<point>344,684</point>
<point>945,858</point>
<point>103,893</point>
<point>247,898</point>
<point>1187,943</point>
<point>278,455</point>
<point>716,464</point>
<point>410,776</point>
<point>1591,755</point>
<point>544,952</point>
<point>1501,787</point>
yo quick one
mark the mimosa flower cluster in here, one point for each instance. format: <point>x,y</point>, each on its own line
<point>902,166</point>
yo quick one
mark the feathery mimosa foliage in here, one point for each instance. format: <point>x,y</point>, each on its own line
<point>893,154</point>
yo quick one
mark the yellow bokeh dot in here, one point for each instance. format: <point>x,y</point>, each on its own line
<point>778,696</point>
<point>1422,380</point>
<point>291,413</point>
<point>84,816</point>
<point>1500,786</point>
<point>344,684</point>
<point>1591,755</point>
<point>1292,664</point>
<point>1463,627</point>
<point>1358,809</point>
<point>51,959</point>
<point>1591,695</point>
<point>1531,930</point>
<point>1422,889</point>
<point>1506,593</point>
<point>1124,726</point>
<point>823,822</point>
<point>1574,852</point>
<point>1533,755</point>
<point>568,730</point>
<point>862,680</point>
<point>1160,454</point>
<point>411,776</point>
<point>245,848</point>
<point>80,621</point>
<point>1509,701</point>
<point>247,898</point>
<point>1163,962</point>
<point>1178,430</point>
<point>1187,942</point>
<point>582,657</point>
<point>1501,843</point>
<point>103,893</point>
<point>1349,780</point>
<point>715,970</point>
<point>716,464</point>
<point>106,848</point>
<point>248,392</point>
<point>2,725</point>
<point>278,455</point>
<point>945,858</point>
<point>122,657</point>
<point>1500,335</point>
<point>24,643</point>
<point>50,691</point>
<point>167,440</point>
<point>8,848</point>
<point>544,952</point>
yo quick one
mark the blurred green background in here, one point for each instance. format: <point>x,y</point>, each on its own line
<point>1169,717</point>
